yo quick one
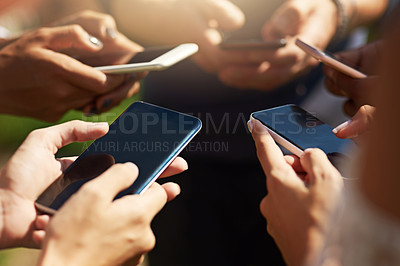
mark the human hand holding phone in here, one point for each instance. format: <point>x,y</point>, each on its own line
<point>122,227</point>
<point>358,91</point>
<point>145,134</point>
<point>298,215</point>
<point>33,168</point>
<point>273,68</point>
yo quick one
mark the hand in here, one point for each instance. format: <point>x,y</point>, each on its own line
<point>198,21</point>
<point>40,82</point>
<point>32,169</point>
<point>358,126</point>
<point>294,19</point>
<point>116,49</point>
<point>358,91</point>
<point>91,222</point>
<point>302,193</point>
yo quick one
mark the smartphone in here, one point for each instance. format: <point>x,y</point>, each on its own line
<point>251,44</point>
<point>330,61</point>
<point>147,135</point>
<point>153,60</point>
<point>296,130</point>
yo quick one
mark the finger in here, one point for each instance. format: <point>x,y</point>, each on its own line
<point>358,125</point>
<point>71,36</point>
<point>269,154</point>
<point>285,21</point>
<point>227,15</point>
<point>115,97</point>
<point>295,163</point>
<point>77,73</point>
<point>317,166</point>
<point>42,221</point>
<point>38,237</point>
<point>117,178</point>
<point>179,165</point>
<point>172,190</point>
<point>100,25</point>
<point>154,199</point>
<point>66,162</point>
<point>350,57</point>
<point>58,136</point>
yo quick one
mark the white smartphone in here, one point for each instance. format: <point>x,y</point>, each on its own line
<point>296,130</point>
<point>329,60</point>
<point>161,59</point>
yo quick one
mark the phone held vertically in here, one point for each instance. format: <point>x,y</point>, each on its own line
<point>147,135</point>
<point>296,130</point>
<point>329,60</point>
<point>154,59</point>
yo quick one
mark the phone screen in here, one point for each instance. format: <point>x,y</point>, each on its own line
<point>148,55</point>
<point>147,135</point>
<point>302,129</point>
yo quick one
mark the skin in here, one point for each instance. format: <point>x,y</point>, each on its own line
<point>41,57</point>
<point>199,21</point>
<point>304,190</point>
<point>121,227</point>
<point>380,180</point>
<point>359,126</point>
<point>25,177</point>
<point>358,91</point>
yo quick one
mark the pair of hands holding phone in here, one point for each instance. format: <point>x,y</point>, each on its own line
<point>89,212</point>
<point>202,22</point>
<point>47,72</point>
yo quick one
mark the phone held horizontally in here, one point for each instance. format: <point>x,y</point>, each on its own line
<point>147,135</point>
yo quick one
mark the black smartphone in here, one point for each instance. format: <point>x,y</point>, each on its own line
<point>251,44</point>
<point>147,135</point>
<point>296,130</point>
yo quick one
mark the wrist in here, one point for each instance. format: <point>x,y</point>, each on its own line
<point>53,254</point>
<point>346,10</point>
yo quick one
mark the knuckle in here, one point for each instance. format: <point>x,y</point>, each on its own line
<point>90,192</point>
<point>76,30</point>
<point>264,206</point>
<point>149,241</point>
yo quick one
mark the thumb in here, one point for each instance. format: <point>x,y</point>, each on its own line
<point>285,21</point>
<point>359,124</point>
<point>226,15</point>
<point>71,36</point>
<point>56,137</point>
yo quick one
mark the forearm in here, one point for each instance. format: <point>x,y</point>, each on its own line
<point>363,12</point>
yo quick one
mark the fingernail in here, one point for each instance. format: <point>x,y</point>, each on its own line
<point>258,127</point>
<point>95,41</point>
<point>250,125</point>
<point>107,103</point>
<point>111,32</point>
<point>186,166</point>
<point>341,126</point>
<point>101,124</point>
